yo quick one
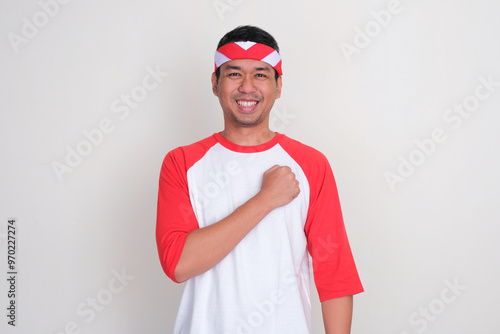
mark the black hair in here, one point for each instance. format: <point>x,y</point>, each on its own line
<point>248,33</point>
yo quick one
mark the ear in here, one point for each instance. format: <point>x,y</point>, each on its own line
<point>214,84</point>
<point>279,83</point>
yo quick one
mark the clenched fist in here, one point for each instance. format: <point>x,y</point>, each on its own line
<point>279,186</point>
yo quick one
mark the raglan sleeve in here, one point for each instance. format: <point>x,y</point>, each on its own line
<point>175,216</point>
<point>335,273</point>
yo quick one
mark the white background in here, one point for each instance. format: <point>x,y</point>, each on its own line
<point>365,111</point>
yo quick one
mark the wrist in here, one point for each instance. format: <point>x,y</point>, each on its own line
<point>263,202</point>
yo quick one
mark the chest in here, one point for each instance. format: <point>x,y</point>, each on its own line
<point>223,180</point>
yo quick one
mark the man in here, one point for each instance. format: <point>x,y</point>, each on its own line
<point>239,211</point>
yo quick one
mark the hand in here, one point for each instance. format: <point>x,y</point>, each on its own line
<point>279,186</point>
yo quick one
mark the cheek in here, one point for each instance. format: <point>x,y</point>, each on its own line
<point>225,99</point>
<point>225,89</point>
<point>271,92</point>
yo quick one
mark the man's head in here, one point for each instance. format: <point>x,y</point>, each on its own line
<point>247,79</point>
<point>248,33</point>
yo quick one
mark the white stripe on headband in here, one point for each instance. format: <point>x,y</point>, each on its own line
<point>248,50</point>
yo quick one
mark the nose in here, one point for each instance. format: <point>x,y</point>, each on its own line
<point>247,84</point>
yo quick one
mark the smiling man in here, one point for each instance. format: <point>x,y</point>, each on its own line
<point>239,211</point>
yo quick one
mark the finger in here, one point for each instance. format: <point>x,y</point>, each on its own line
<point>273,168</point>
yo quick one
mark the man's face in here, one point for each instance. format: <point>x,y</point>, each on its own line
<point>246,90</point>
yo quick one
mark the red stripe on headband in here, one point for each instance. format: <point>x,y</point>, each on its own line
<point>248,50</point>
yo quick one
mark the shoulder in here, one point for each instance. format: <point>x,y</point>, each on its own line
<point>188,155</point>
<point>316,168</point>
<point>306,156</point>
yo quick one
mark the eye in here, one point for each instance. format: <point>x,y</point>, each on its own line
<point>233,74</point>
<point>261,75</point>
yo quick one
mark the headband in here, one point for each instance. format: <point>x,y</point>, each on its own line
<point>248,50</point>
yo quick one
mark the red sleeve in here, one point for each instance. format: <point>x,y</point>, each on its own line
<point>175,216</point>
<point>335,273</point>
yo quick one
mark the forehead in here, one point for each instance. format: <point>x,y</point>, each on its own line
<point>246,65</point>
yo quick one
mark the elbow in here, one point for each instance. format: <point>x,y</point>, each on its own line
<point>180,274</point>
<point>176,265</point>
<point>173,271</point>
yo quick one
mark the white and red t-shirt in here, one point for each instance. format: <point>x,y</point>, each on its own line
<point>262,285</point>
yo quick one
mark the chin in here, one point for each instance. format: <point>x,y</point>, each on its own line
<point>248,122</point>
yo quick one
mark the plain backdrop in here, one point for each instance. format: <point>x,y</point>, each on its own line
<point>401,96</point>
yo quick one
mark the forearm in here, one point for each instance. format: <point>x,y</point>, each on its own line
<point>337,315</point>
<point>207,246</point>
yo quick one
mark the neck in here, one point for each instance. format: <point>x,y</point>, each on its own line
<point>248,136</point>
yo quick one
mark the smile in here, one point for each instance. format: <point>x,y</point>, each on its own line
<point>247,103</point>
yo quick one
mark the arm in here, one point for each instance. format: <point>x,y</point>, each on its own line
<point>337,315</point>
<point>335,272</point>
<point>207,246</point>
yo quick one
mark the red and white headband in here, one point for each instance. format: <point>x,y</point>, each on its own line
<point>248,50</point>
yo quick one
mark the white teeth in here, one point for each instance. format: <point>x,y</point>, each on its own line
<point>247,103</point>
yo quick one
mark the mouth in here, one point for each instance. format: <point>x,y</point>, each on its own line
<point>246,104</point>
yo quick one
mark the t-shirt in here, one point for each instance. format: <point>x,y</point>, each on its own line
<point>262,285</point>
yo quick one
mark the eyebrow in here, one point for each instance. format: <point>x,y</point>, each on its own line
<point>238,68</point>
